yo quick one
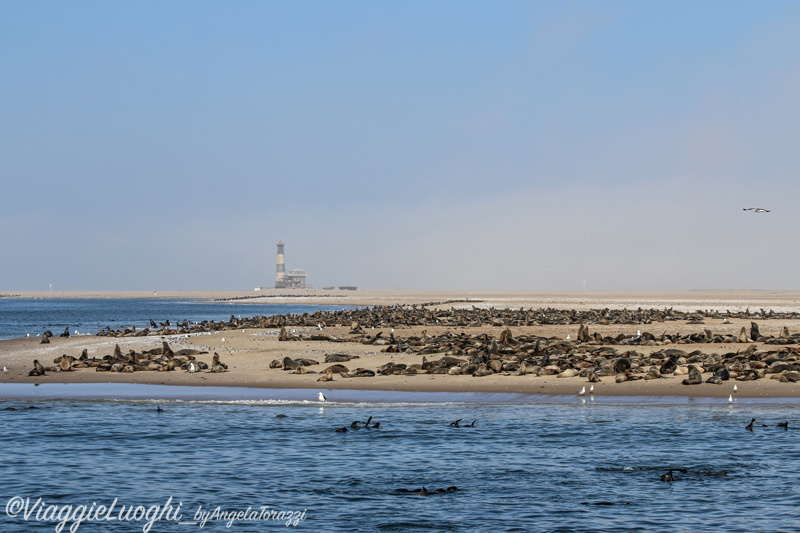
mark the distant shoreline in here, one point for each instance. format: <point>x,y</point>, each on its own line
<point>718,299</point>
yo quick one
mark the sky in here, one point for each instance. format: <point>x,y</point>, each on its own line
<point>532,146</point>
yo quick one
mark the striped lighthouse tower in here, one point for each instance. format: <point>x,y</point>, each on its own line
<point>280,270</point>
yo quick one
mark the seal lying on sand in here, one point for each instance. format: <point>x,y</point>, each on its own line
<point>38,369</point>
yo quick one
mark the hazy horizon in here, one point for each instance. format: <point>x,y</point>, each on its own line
<point>515,146</point>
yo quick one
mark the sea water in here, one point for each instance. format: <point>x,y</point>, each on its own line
<point>531,463</point>
<point>22,316</point>
<point>220,459</point>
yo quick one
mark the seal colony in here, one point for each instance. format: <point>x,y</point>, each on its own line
<point>651,353</point>
<point>457,345</point>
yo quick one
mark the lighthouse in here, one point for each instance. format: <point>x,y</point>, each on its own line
<point>280,269</point>
<point>295,279</point>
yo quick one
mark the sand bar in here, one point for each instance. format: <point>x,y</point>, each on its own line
<point>248,353</point>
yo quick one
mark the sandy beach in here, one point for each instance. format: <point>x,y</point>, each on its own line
<point>248,352</point>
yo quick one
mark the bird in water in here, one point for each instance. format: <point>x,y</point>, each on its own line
<point>784,425</point>
<point>667,477</point>
<point>159,409</point>
<point>322,397</point>
<point>756,209</point>
<point>750,425</point>
<point>730,398</point>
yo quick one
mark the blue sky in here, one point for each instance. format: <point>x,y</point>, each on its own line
<point>414,145</point>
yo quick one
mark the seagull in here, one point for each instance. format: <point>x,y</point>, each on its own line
<point>591,389</point>
<point>192,368</point>
<point>568,338</point>
<point>735,388</point>
<point>322,397</point>
<point>756,209</point>
<point>5,369</point>
<point>223,339</point>
<point>730,398</point>
<point>583,391</point>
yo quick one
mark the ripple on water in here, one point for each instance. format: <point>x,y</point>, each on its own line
<point>552,466</point>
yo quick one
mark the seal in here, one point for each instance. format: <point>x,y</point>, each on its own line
<point>695,377</point>
<point>216,365</point>
<point>667,477</point>
<point>66,363</point>
<point>38,369</point>
<point>290,364</point>
<point>455,424</point>
<point>749,426</point>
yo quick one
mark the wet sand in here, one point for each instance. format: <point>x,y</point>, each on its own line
<point>248,353</point>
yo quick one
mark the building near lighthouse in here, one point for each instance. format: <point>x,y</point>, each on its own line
<point>294,279</point>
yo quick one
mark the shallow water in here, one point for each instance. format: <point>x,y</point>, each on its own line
<point>532,463</point>
<point>22,316</point>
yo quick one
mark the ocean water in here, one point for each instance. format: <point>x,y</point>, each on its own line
<point>22,316</point>
<point>532,463</point>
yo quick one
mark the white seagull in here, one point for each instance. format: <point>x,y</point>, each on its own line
<point>756,209</point>
<point>192,368</point>
<point>5,369</point>
<point>730,398</point>
<point>322,397</point>
<point>735,388</point>
<point>583,391</point>
<point>591,389</point>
